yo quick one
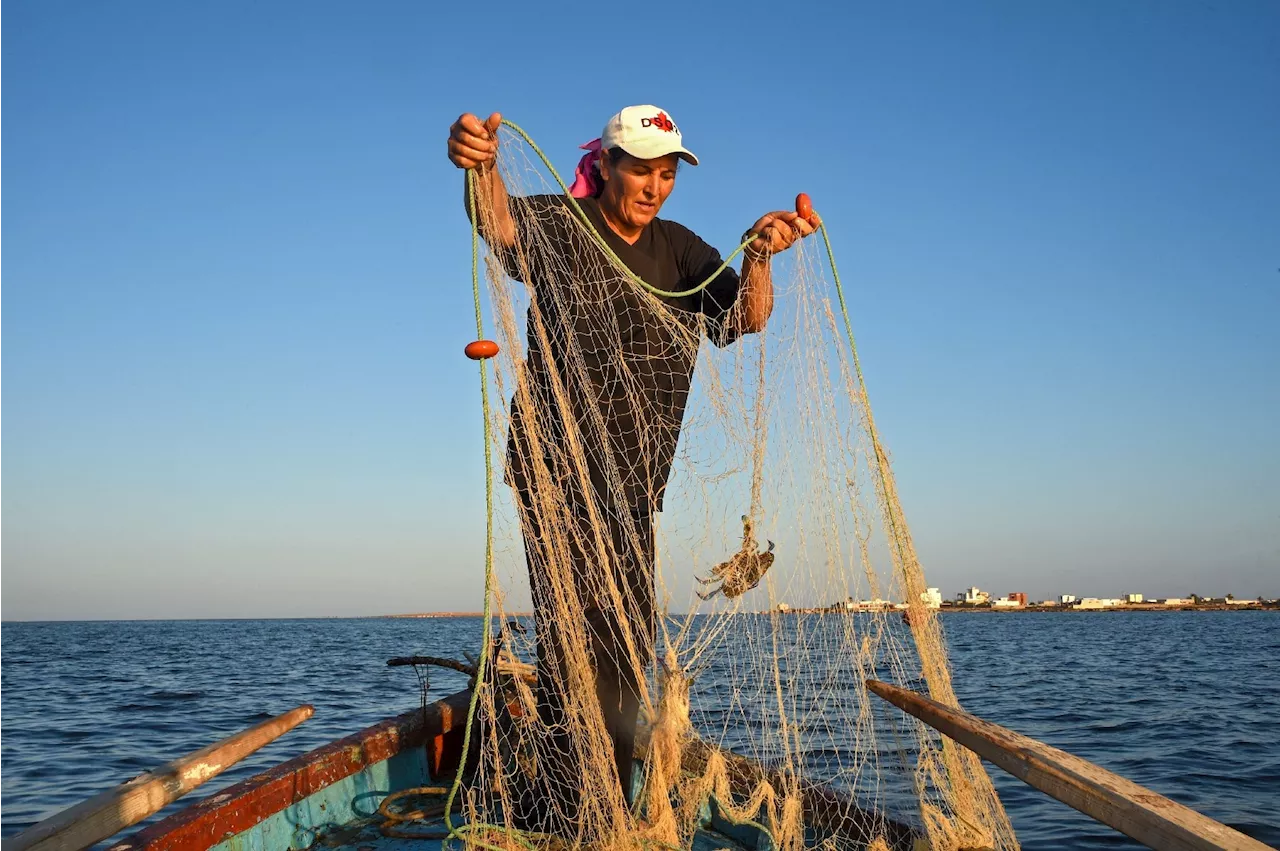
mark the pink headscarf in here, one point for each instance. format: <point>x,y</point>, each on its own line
<point>586,179</point>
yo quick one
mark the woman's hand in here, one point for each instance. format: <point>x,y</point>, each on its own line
<point>777,232</point>
<point>474,143</point>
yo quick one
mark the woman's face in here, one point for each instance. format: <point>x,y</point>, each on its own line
<point>634,189</point>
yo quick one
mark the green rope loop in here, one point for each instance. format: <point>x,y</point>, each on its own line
<point>604,246</point>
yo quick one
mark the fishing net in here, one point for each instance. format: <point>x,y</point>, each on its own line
<point>780,509</point>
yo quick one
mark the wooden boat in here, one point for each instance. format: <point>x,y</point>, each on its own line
<point>333,797</point>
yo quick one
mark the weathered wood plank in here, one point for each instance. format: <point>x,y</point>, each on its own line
<point>110,812</point>
<point>1134,810</point>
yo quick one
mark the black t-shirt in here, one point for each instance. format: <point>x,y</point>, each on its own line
<point>622,360</point>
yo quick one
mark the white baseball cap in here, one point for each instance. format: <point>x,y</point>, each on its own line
<point>645,132</point>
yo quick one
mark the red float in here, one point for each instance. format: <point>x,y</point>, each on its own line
<point>804,207</point>
<point>481,349</point>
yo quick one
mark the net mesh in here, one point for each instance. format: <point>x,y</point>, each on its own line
<point>780,510</point>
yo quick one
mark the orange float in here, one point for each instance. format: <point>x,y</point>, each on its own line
<point>481,349</point>
<point>804,207</point>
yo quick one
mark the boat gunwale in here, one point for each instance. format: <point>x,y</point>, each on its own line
<point>243,805</point>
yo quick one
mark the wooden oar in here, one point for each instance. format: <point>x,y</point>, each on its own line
<point>1134,810</point>
<point>110,812</point>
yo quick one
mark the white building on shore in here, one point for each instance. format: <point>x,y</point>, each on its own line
<point>1099,603</point>
<point>876,605</point>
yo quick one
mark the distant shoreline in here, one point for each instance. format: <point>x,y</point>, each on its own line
<point>1138,607</point>
<point>458,615</point>
<point>1133,607</point>
<point>1252,607</point>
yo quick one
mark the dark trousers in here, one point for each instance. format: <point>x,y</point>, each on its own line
<point>627,565</point>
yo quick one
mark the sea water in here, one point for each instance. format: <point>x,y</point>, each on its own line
<point>1186,703</point>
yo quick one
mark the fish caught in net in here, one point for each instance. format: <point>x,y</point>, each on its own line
<point>690,512</point>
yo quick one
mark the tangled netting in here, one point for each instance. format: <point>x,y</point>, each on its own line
<point>780,510</point>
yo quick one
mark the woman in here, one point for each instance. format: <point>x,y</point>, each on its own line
<point>605,382</point>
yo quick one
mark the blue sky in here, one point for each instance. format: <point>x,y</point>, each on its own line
<point>236,279</point>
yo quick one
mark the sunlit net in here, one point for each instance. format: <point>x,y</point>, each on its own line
<point>777,429</point>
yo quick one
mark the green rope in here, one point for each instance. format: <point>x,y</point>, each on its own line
<point>876,447</point>
<point>604,246</point>
<point>486,626</point>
